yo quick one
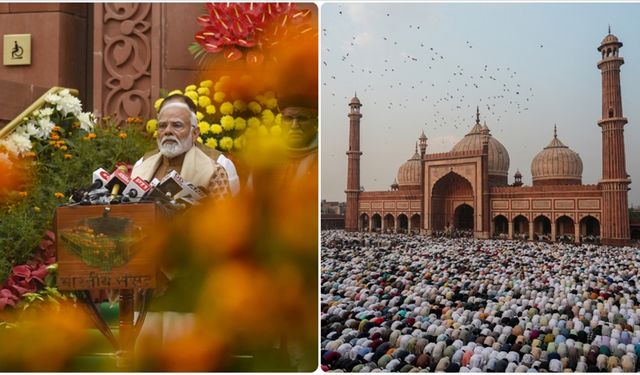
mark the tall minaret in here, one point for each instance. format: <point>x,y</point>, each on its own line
<point>615,181</point>
<point>353,166</point>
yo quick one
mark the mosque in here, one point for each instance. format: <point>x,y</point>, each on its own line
<point>467,188</point>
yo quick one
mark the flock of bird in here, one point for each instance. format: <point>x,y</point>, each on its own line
<point>413,74</point>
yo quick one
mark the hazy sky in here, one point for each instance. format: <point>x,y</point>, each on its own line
<point>426,66</point>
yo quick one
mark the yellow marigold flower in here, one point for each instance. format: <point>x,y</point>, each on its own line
<point>226,108</point>
<point>204,101</point>
<point>122,135</point>
<point>190,88</point>
<point>219,96</point>
<point>199,115</point>
<point>211,109</point>
<point>63,148</point>
<point>278,119</point>
<point>240,123</point>
<point>238,143</point>
<point>267,117</point>
<point>36,209</point>
<point>30,154</point>
<point>250,132</point>
<point>272,103</point>
<point>262,130</point>
<point>253,122</point>
<point>52,142</point>
<point>158,103</point>
<point>255,107</point>
<point>58,195</point>
<point>212,143</point>
<point>152,125</point>
<point>240,105</point>
<point>203,91</point>
<point>261,99</point>
<point>206,83</point>
<point>68,156</point>
<point>175,92</point>
<point>275,130</point>
<point>227,122</point>
<point>226,143</point>
<point>216,129</point>
<point>193,96</point>
<point>23,194</point>
<point>204,127</point>
<point>200,139</point>
<point>155,134</point>
<point>60,142</point>
<point>55,136</point>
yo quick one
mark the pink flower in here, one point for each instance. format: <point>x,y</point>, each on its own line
<point>7,298</point>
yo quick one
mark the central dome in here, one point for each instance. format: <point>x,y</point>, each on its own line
<point>556,164</point>
<point>409,172</point>
<point>498,155</point>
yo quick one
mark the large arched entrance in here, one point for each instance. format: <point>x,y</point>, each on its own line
<point>376,223</point>
<point>589,229</point>
<point>449,193</point>
<point>542,228</point>
<point>520,227</point>
<point>500,226</point>
<point>364,223</point>
<point>463,217</point>
<point>403,223</point>
<point>389,223</point>
<point>565,229</point>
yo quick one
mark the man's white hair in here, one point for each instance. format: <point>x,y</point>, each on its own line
<point>194,118</point>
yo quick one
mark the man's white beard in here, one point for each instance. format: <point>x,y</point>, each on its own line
<point>171,149</point>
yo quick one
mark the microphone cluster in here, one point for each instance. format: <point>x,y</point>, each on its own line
<point>172,192</point>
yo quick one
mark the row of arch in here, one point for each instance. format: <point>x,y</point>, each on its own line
<point>564,228</point>
<point>389,223</point>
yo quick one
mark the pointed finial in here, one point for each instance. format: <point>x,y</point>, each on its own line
<point>555,131</point>
<point>355,94</point>
<point>416,147</point>
<point>477,114</point>
<point>609,28</point>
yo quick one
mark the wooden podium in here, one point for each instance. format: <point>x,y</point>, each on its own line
<point>102,247</point>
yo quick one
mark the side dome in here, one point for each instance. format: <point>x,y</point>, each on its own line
<point>498,155</point>
<point>409,173</point>
<point>556,164</point>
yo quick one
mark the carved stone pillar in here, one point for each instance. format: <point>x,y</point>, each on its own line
<point>126,59</point>
<point>510,229</point>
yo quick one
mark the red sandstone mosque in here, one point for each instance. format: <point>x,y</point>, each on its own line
<point>467,188</point>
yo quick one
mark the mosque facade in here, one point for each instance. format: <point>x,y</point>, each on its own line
<point>467,188</point>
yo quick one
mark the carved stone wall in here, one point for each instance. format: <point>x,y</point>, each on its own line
<point>127,52</point>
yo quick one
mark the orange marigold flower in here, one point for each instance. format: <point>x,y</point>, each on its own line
<point>122,135</point>
<point>23,194</point>
<point>30,154</point>
<point>55,136</point>
<point>57,128</point>
<point>58,195</point>
<point>68,156</point>
<point>92,135</point>
<point>63,147</point>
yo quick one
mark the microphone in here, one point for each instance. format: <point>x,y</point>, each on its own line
<point>136,189</point>
<point>100,177</point>
<point>117,182</point>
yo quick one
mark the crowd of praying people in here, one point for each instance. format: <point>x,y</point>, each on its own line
<point>404,303</point>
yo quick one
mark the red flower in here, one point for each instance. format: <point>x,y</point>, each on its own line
<point>7,298</point>
<point>228,27</point>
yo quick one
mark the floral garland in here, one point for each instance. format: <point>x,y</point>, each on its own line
<point>225,118</point>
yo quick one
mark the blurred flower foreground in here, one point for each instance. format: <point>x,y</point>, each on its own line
<point>245,267</point>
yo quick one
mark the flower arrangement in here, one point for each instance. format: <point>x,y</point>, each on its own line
<point>229,111</point>
<point>249,29</point>
<point>61,114</point>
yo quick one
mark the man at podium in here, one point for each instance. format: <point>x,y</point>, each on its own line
<point>177,151</point>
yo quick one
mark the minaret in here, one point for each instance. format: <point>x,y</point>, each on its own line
<point>353,166</point>
<point>423,152</point>
<point>615,181</point>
